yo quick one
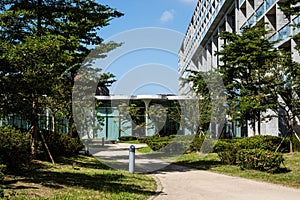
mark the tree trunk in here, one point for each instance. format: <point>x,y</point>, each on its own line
<point>34,125</point>
<point>290,134</point>
<point>291,140</point>
<point>253,126</point>
<point>70,124</point>
<point>259,123</point>
<point>53,124</point>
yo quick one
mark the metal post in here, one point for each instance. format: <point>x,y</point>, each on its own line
<point>103,141</point>
<point>131,158</point>
<point>86,147</point>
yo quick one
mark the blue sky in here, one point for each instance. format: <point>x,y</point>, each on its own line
<point>169,14</point>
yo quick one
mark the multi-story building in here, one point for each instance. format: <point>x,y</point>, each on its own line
<point>210,18</point>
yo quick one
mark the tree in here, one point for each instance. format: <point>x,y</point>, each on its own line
<point>291,8</point>
<point>43,42</point>
<point>209,87</point>
<point>132,116</point>
<point>88,81</point>
<point>246,60</point>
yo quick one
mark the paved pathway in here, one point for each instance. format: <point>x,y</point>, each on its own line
<point>117,156</point>
<point>182,183</point>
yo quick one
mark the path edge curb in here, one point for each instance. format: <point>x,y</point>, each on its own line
<point>158,189</point>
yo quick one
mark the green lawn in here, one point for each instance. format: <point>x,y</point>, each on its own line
<point>78,178</point>
<point>289,176</point>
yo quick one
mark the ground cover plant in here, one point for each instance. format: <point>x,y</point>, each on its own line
<point>80,177</point>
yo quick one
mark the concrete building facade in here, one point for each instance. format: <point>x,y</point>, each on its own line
<point>212,17</point>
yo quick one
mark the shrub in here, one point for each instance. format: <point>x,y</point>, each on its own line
<point>127,138</point>
<point>156,145</point>
<point>196,145</point>
<point>142,139</point>
<point>259,160</point>
<point>2,171</point>
<point>15,148</point>
<point>265,142</point>
<point>175,143</point>
<point>296,144</point>
<point>61,144</point>
<point>227,149</point>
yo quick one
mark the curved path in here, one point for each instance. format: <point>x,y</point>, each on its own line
<point>182,183</point>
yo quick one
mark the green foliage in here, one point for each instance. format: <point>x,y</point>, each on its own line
<point>259,159</point>
<point>265,142</point>
<point>196,144</point>
<point>228,149</point>
<point>63,145</point>
<point>209,86</point>
<point>143,139</point>
<point>127,138</point>
<point>2,173</point>
<point>43,45</point>
<point>15,148</point>
<point>134,112</point>
<point>175,143</point>
<point>247,59</point>
<point>156,143</point>
<point>296,143</point>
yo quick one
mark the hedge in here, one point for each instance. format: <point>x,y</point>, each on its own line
<point>257,152</point>
<point>170,144</point>
<point>259,160</point>
<point>127,138</point>
<point>227,151</point>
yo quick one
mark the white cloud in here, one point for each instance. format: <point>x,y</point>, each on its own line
<point>189,1</point>
<point>167,15</point>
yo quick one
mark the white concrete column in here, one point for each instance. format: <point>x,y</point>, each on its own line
<point>147,102</point>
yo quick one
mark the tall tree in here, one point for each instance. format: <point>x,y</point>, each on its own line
<point>210,89</point>
<point>291,9</point>
<point>43,41</point>
<point>246,59</point>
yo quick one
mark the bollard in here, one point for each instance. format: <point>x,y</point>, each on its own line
<point>86,147</point>
<point>131,158</point>
<point>103,141</point>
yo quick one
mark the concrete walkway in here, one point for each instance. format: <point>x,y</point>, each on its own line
<point>182,183</point>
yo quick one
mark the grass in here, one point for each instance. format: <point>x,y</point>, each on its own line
<point>82,177</point>
<point>144,150</point>
<point>289,176</point>
<point>131,142</point>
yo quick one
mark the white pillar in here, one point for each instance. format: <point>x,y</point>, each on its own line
<point>147,102</point>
